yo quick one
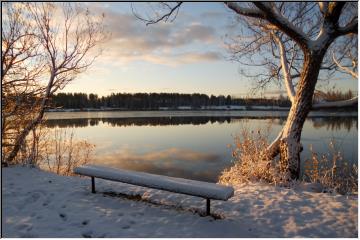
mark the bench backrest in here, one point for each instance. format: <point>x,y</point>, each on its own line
<point>172,184</point>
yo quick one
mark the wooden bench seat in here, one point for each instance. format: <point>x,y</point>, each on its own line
<point>178,185</point>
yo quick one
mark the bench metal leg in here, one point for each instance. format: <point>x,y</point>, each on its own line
<point>93,185</point>
<point>207,206</point>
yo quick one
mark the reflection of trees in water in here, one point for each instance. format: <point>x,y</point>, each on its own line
<point>331,123</point>
<point>150,121</point>
<point>271,120</point>
<point>335,123</point>
<point>66,123</point>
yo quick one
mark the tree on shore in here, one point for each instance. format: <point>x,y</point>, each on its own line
<point>297,41</point>
<point>45,46</point>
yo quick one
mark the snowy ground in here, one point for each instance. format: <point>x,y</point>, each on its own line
<point>40,204</point>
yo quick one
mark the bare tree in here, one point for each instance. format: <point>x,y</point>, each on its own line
<point>293,41</point>
<point>64,36</point>
<point>310,31</point>
<point>21,65</point>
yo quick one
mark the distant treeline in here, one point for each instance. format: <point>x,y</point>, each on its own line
<point>150,101</point>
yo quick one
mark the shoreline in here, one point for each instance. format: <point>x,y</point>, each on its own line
<point>190,113</point>
<point>250,109</point>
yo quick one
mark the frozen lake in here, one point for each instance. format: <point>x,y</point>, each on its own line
<point>194,144</point>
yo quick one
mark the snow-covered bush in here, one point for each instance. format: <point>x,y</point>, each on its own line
<point>251,160</point>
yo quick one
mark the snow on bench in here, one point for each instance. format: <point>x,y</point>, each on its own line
<point>178,185</point>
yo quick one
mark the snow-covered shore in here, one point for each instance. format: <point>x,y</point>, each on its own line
<point>40,204</point>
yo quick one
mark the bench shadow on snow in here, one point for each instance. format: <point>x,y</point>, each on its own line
<point>177,207</point>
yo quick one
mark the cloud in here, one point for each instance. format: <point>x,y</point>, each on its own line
<point>161,43</point>
<point>212,14</point>
<point>198,57</point>
<point>168,59</point>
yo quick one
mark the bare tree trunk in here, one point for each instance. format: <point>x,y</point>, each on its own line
<point>290,146</point>
<point>33,124</point>
<point>32,155</point>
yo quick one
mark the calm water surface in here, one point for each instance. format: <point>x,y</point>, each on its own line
<point>194,144</point>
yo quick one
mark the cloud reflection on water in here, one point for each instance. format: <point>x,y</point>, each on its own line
<point>173,162</point>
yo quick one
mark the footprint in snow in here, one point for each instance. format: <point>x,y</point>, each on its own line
<point>137,214</point>
<point>47,201</point>
<point>28,235</point>
<point>87,234</point>
<point>33,197</point>
<point>23,226</point>
<point>63,216</point>
<point>85,222</point>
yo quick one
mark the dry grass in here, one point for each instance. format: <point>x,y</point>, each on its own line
<point>63,153</point>
<point>54,150</point>
<point>32,150</point>
<point>331,171</point>
<point>252,164</point>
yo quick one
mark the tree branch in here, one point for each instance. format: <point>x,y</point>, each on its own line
<point>273,149</point>
<point>330,29</point>
<point>285,68</point>
<point>345,69</point>
<point>164,17</point>
<point>273,16</point>
<point>351,27</point>
<point>323,7</point>
<point>344,103</point>
<point>249,12</point>
<point>334,11</point>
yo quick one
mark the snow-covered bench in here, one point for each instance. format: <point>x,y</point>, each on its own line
<point>178,185</point>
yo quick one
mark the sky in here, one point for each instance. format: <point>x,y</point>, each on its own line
<point>187,55</point>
